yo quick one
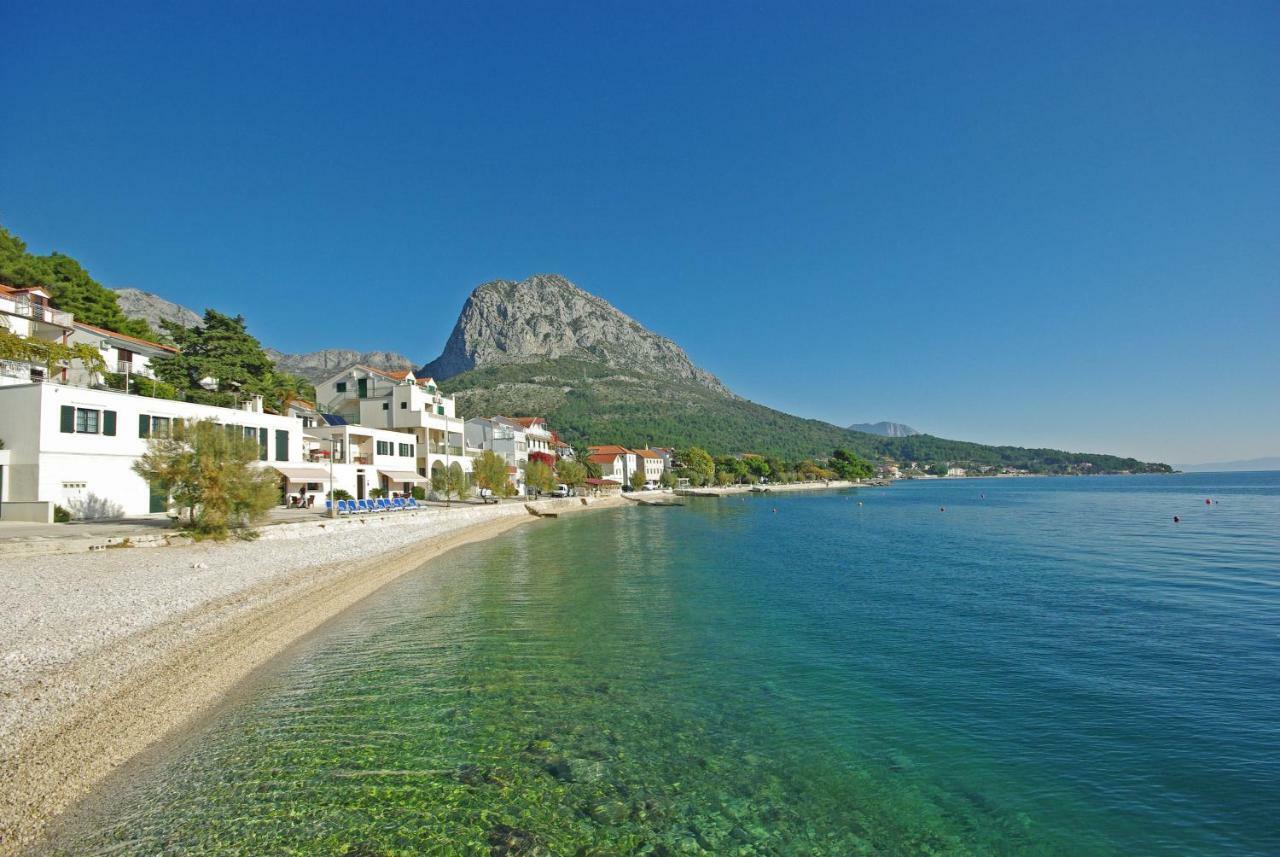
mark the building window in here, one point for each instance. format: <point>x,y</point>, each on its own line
<point>149,426</point>
<point>440,410</point>
<point>341,386</point>
<point>282,445</point>
<point>406,450</point>
<point>384,447</point>
<point>404,406</point>
<point>87,421</point>
<point>386,406</point>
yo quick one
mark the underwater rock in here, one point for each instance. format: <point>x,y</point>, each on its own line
<point>506,840</point>
<point>610,812</point>
<point>558,767</point>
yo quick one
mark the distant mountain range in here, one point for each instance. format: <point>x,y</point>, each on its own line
<point>544,347</point>
<point>885,429</point>
<point>1271,462</point>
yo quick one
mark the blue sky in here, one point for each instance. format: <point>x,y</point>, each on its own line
<point>1032,223</point>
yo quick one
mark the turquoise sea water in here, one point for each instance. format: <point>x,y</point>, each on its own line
<point>1050,666</point>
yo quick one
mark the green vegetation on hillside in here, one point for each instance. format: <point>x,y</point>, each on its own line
<point>70,285</point>
<point>586,401</point>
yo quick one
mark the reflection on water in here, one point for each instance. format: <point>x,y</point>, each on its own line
<point>1046,669</point>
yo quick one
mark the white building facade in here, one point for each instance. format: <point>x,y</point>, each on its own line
<point>27,313</point>
<point>75,447</point>
<point>400,402</point>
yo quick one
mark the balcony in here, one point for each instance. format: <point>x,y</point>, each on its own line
<point>44,314</point>
<point>125,367</point>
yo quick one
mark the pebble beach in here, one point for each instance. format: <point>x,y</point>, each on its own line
<point>102,654</point>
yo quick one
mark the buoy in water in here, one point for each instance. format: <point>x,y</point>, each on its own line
<point>942,508</point>
<point>1176,519</point>
<point>1208,502</point>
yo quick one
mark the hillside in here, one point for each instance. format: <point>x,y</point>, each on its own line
<point>587,401</point>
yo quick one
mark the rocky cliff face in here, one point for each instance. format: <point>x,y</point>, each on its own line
<point>885,429</point>
<point>547,317</point>
<point>321,365</point>
<point>153,309</point>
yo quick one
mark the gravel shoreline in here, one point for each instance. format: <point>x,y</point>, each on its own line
<point>102,654</point>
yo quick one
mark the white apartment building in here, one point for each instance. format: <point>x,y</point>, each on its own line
<point>652,463</point>
<point>505,437</point>
<point>360,459</point>
<point>76,446</point>
<point>123,355</point>
<point>27,313</point>
<point>399,402</point>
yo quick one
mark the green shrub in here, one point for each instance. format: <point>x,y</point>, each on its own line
<point>342,494</point>
<point>419,493</point>
<point>61,515</point>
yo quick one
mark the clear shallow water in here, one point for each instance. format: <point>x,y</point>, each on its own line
<point>1052,668</point>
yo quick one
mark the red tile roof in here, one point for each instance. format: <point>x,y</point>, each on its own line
<point>603,457</point>
<point>610,448</point>
<point>529,422</point>
<point>644,453</point>
<point>126,337</point>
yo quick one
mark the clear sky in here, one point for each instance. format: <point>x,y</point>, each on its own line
<point>1036,223</point>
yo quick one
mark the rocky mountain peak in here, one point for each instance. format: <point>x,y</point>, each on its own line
<point>546,316</point>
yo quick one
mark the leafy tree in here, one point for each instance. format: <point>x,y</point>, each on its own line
<point>539,476</point>
<point>701,467</point>
<point>637,479</point>
<point>456,483</point>
<point>490,472</point>
<point>594,471</point>
<point>668,479</point>
<point>571,473</point>
<point>211,473</point>
<point>936,469</point>
<point>849,466</point>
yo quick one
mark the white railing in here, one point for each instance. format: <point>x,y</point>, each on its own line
<point>17,369</point>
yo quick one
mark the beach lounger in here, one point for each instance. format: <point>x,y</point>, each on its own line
<point>344,507</point>
<point>383,505</point>
<point>362,506</point>
<point>400,504</point>
<point>411,503</point>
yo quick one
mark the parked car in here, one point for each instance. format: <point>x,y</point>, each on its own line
<point>486,495</point>
<point>562,490</point>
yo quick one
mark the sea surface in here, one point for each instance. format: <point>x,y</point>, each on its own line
<point>1049,666</point>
